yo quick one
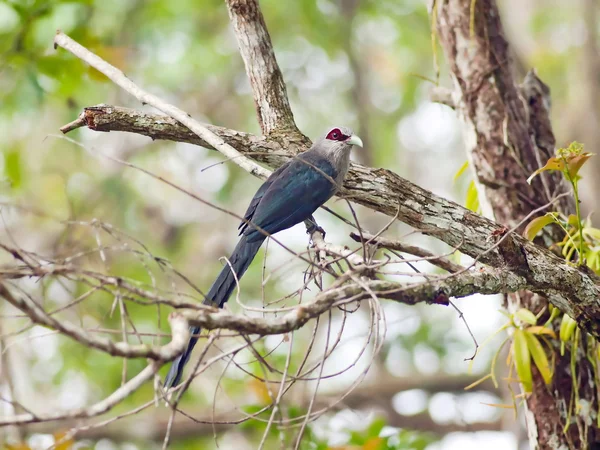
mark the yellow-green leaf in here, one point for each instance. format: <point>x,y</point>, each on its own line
<point>20,446</point>
<point>63,441</point>
<point>260,390</point>
<point>500,405</point>
<point>13,167</point>
<point>536,225</point>
<point>577,162</point>
<point>553,163</point>
<point>374,443</point>
<point>522,359</point>
<point>478,382</point>
<point>460,171</point>
<point>592,232</point>
<point>567,327</point>
<point>524,315</point>
<point>572,220</point>
<point>542,330</point>
<point>472,201</point>
<point>539,357</point>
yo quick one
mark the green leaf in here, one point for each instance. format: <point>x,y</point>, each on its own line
<point>472,201</point>
<point>541,330</point>
<point>572,220</point>
<point>567,327</point>
<point>592,232</point>
<point>460,171</point>
<point>553,163</point>
<point>375,428</point>
<point>13,168</point>
<point>539,357</point>
<point>524,315</point>
<point>536,225</point>
<point>522,359</point>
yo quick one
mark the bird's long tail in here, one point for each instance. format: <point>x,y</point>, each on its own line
<point>219,293</point>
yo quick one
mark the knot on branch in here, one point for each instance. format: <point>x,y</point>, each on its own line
<point>513,254</point>
<point>440,297</point>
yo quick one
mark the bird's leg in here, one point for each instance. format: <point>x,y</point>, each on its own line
<point>321,257</point>
<point>312,226</point>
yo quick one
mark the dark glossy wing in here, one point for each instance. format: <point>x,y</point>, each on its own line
<point>259,195</point>
<point>294,195</point>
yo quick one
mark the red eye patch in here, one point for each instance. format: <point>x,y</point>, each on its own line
<point>336,135</point>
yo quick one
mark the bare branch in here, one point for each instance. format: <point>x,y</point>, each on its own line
<point>270,95</point>
<point>432,258</point>
<point>126,84</point>
<point>168,352</point>
<point>443,95</point>
<point>91,411</point>
<point>484,281</point>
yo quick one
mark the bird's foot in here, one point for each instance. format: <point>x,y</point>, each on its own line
<point>313,228</point>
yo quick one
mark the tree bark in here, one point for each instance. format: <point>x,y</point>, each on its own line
<point>508,136</point>
<point>270,95</point>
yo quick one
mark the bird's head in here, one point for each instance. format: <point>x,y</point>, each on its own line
<point>337,142</point>
<point>335,146</point>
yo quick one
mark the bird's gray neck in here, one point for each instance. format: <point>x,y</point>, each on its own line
<point>340,160</point>
<point>342,163</point>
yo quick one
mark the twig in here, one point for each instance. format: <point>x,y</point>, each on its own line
<point>428,256</point>
<point>129,86</point>
<point>168,352</point>
<point>91,411</point>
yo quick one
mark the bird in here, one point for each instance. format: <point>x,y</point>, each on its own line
<point>288,197</point>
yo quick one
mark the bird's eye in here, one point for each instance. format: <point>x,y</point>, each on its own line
<point>335,135</point>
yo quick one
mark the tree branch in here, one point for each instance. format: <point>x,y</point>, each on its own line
<point>179,329</point>
<point>431,258</point>
<point>576,291</point>
<point>125,83</point>
<point>270,95</point>
<point>91,411</point>
<point>483,281</point>
<point>573,290</point>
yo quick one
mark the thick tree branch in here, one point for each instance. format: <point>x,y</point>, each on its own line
<point>270,95</point>
<point>345,289</point>
<point>483,281</point>
<point>443,95</point>
<point>574,290</point>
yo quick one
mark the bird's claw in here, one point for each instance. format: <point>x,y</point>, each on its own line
<point>315,227</point>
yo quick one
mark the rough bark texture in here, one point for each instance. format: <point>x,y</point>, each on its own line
<point>508,136</point>
<point>272,104</point>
